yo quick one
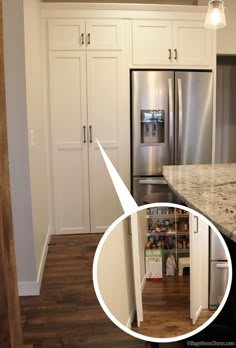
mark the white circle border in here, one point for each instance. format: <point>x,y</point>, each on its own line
<point>117,322</point>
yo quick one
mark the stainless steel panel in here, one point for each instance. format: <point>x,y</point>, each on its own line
<point>217,251</point>
<point>193,117</point>
<point>218,282</point>
<point>150,190</point>
<point>226,111</point>
<point>151,90</point>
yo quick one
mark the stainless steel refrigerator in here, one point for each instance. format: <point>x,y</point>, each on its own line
<point>218,271</point>
<point>171,123</point>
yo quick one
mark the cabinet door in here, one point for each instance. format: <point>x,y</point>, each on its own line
<point>152,42</point>
<point>191,44</point>
<point>108,115</point>
<point>69,152</point>
<point>66,34</point>
<point>104,34</point>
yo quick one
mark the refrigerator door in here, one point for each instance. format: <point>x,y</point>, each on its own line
<point>218,282</point>
<point>194,117</point>
<point>152,121</point>
<point>217,251</point>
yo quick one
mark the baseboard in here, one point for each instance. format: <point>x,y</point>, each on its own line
<point>43,259</point>
<point>33,288</point>
<point>131,318</point>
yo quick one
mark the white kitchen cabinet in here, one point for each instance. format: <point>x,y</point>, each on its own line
<point>191,44</point>
<point>152,42</point>
<point>171,43</point>
<point>89,34</point>
<point>87,101</point>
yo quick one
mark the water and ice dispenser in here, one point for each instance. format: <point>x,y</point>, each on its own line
<point>152,126</point>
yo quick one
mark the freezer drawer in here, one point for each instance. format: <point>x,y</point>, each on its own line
<point>151,190</point>
<point>218,282</point>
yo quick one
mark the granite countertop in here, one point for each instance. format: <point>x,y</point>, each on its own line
<point>209,189</point>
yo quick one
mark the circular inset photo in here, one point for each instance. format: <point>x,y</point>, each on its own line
<point>163,273</point>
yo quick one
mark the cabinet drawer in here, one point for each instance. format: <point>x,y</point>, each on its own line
<point>66,34</point>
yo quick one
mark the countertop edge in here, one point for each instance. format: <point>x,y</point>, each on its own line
<point>225,232</point>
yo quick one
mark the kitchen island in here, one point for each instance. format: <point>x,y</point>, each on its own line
<point>210,190</point>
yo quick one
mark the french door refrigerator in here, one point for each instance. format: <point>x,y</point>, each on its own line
<point>171,123</point>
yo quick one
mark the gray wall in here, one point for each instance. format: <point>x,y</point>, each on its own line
<point>18,138</point>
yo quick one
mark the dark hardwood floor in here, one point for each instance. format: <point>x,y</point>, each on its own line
<point>67,312</point>
<point>166,307</point>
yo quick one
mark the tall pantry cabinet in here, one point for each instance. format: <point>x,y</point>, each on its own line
<point>88,100</point>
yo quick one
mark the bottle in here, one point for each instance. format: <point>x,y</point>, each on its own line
<point>184,242</point>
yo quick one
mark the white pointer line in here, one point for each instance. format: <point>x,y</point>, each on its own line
<point>128,203</point>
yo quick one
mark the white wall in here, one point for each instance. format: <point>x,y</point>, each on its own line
<point>18,138</point>
<point>226,36</point>
<point>115,273</point>
<point>24,98</point>
<point>36,126</point>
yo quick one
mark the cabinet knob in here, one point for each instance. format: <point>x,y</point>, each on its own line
<point>169,50</point>
<point>176,54</point>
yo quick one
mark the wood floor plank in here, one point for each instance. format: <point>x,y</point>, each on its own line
<point>166,306</point>
<point>67,313</point>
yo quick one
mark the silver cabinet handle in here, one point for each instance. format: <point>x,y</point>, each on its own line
<point>90,134</point>
<point>82,38</point>
<point>176,54</point>
<point>88,39</point>
<point>196,229</point>
<point>84,127</point>
<point>153,182</point>
<point>169,50</point>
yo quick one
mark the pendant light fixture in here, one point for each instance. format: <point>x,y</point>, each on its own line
<point>215,17</point>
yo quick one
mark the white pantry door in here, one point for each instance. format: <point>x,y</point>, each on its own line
<point>69,141</point>
<point>196,268</point>
<point>134,227</point>
<point>106,114</point>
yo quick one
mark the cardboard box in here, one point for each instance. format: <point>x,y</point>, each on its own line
<point>153,262</point>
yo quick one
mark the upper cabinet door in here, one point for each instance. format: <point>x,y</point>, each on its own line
<point>191,44</point>
<point>66,34</point>
<point>104,34</point>
<point>152,42</point>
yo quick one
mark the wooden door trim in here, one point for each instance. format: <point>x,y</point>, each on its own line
<point>10,323</point>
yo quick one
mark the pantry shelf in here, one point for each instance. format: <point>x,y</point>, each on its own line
<point>168,232</point>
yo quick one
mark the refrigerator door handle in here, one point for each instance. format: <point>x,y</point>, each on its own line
<point>222,265</point>
<point>180,122</point>
<point>160,181</point>
<point>171,120</point>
